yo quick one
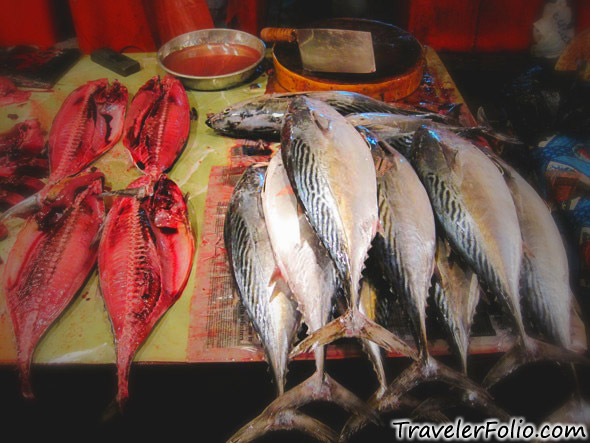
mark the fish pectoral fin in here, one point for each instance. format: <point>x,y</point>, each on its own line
<point>275,277</point>
<point>323,123</point>
<point>321,387</point>
<point>527,251</point>
<point>284,420</point>
<point>354,324</point>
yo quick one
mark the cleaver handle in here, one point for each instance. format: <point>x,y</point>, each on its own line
<point>278,34</point>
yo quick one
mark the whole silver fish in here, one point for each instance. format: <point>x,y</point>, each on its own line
<point>332,173</point>
<point>456,294</point>
<point>398,130</point>
<point>308,269</point>
<point>267,299</point>
<point>262,116</point>
<point>302,259</point>
<point>544,281</point>
<point>475,208</point>
<point>406,245</point>
<point>333,176</point>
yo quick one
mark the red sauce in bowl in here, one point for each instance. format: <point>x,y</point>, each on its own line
<point>211,59</point>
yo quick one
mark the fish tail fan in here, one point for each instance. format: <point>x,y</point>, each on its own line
<point>321,387</point>
<point>123,368</point>
<point>431,410</point>
<point>354,324</point>
<point>528,351</point>
<point>112,410</point>
<point>25,380</point>
<point>419,372</point>
<point>434,370</point>
<point>286,419</point>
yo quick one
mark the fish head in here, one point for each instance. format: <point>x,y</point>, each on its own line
<point>167,207</point>
<point>431,151</point>
<point>259,115</point>
<point>65,195</point>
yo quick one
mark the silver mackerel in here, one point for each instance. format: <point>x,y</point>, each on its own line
<point>266,299</point>
<point>473,204</point>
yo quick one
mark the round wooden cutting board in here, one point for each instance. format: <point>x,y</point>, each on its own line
<point>398,57</point>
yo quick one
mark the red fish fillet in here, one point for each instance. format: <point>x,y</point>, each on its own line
<point>144,262</point>
<point>50,261</point>
<point>157,124</point>
<point>89,123</point>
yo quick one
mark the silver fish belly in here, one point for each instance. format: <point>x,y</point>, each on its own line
<point>406,245</point>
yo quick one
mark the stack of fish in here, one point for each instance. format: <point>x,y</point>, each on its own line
<point>144,245</point>
<point>443,213</point>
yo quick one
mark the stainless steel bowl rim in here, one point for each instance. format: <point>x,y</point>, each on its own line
<point>209,77</point>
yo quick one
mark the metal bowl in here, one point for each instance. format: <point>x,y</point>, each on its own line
<point>204,36</point>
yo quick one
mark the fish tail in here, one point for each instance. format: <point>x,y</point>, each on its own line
<point>321,387</point>
<point>25,380</point>
<point>421,371</point>
<point>284,420</point>
<point>123,368</point>
<point>354,324</point>
<point>530,350</point>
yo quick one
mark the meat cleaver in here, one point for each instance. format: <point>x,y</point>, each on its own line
<point>328,50</point>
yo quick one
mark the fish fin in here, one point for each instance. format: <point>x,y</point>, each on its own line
<point>454,112</point>
<point>96,239</point>
<point>324,124</point>
<point>276,276</point>
<point>25,380</point>
<point>532,351</point>
<point>287,190</point>
<point>321,387</point>
<point>527,251</point>
<point>354,324</point>
<point>284,420</point>
<point>112,411</point>
<point>276,292</point>
<point>421,371</point>
<point>430,410</point>
<point>23,208</point>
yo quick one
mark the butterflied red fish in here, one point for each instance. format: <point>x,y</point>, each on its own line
<point>50,261</point>
<point>89,122</point>
<point>157,124</point>
<point>144,262</point>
